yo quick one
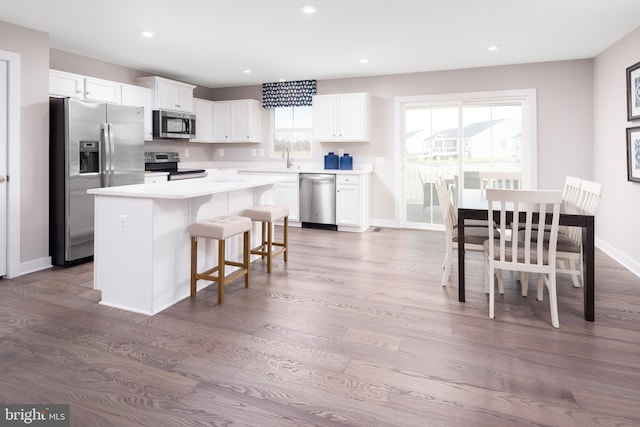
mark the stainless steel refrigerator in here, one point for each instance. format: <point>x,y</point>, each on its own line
<point>91,145</point>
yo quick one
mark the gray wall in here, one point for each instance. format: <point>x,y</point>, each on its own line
<point>565,105</point>
<point>617,226</point>
<point>33,48</point>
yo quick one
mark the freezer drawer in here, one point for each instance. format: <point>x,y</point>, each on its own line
<point>318,199</point>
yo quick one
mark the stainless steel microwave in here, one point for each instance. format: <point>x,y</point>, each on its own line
<point>173,125</point>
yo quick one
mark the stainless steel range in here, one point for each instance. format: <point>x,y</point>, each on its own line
<point>167,161</point>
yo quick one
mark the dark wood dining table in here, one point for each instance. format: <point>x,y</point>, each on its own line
<point>472,206</point>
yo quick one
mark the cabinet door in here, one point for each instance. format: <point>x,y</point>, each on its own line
<point>66,84</point>
<point>347,200</point>
<point>102,90</point>
<point>139,96</point>
<point>221,112</point>
<point>174,96</point>
<point>184,98</point>
<point>352,117</point>
<point>166,96</point>
<point>203,110</point>
<point>324,118</point>
<point>245,120</point>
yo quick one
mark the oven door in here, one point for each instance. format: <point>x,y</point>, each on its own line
<point>173,125</point>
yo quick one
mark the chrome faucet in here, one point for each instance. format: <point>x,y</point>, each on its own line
<point>288,155</point>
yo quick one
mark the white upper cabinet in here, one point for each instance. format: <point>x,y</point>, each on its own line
<point>203,110</point>
<point>169,94</point>
<point>237,121</point>
<point>102,90</point>
<point>139,96</point>
<point>342,117</point>
<point>65,84</point>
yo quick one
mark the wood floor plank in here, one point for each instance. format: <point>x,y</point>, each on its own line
<point>354,330</point>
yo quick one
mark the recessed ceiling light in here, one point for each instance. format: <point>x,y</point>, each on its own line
<point>364,60</point>
<point>147,34</point>
<point>309,9</point>
<point>283,80</point>
<point>247,71</point>
<point>493,48</point>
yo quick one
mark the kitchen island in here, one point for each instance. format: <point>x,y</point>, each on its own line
<point>142,245</point>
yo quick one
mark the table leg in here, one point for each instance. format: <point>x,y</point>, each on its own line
<point>588,247</point>
<point>461,296</point>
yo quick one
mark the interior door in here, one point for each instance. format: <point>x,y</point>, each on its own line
<point>3,165</point>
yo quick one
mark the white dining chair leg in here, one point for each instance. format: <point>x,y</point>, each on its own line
<point>500,282</point>
<point>574,277</point>
<point>447,265</point>
<point>524,282</point>
<point>553,300</point>
<point>540,292</point>
<point>491,292</point>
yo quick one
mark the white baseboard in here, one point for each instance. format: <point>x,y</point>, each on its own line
<point>630,264</point>
<point>389,223</point>
<point>35,265</point>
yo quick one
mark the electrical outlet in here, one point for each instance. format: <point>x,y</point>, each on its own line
<point>124,223</point>
<point>221,152</point>
<point>261,152</point>
<point>380,161</point>
<point>341,152</point>
<point>254,152</point>
<point>186,152</point>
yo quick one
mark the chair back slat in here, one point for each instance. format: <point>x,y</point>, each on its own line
<point>525,253</point>
<point>504,180</point>
<point>571,190</point>
<point>589,196</point>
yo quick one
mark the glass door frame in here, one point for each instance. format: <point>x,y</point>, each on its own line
<point>529,141</point>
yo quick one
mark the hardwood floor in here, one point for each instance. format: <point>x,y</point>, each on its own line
<point>354,331</point>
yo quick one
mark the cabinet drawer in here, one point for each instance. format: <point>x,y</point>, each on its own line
<point>347,179</point>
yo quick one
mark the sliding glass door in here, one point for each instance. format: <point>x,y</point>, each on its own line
<point>459,138</point>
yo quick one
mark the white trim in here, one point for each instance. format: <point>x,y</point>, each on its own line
<point>13,164</point>
<point>35,265</point>
<point>530,109</point>
<point>619,256</point>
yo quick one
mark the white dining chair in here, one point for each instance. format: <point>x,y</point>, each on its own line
<point>496,179</point>
<point>475,236</point>
<point>531,253</point>
<point>585,200</point>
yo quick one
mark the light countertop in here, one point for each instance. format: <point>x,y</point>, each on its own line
<point>187,188</point>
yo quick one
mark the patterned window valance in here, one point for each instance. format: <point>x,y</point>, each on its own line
<point>288,94</point>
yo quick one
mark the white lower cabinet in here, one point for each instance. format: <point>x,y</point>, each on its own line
<point>286,193</point>
<point>352,202</point>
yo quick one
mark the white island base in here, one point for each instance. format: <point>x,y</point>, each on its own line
<point>142,246</point>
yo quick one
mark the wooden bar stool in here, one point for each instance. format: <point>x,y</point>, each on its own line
<point>220,228</point>
<point>267,214</point>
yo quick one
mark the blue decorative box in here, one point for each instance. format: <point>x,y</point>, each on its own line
<point>331,161</point>
<point>346,162</point>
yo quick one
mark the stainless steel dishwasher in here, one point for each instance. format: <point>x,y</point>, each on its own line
<point>318,200</point>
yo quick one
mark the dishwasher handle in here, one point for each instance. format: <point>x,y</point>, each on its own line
<point>318,177</point>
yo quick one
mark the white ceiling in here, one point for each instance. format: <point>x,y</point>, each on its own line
<point>211,42</point>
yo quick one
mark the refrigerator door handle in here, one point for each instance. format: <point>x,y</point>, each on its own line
<point>104,155</point>
<point>112,149</point>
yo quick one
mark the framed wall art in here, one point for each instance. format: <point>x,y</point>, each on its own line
<point>633,154</point>
<point>633,92</point>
